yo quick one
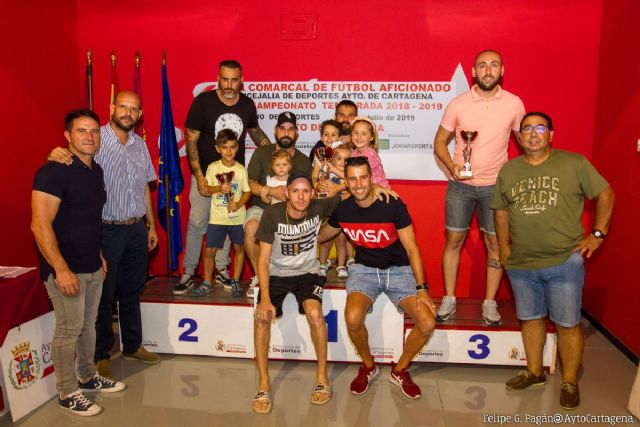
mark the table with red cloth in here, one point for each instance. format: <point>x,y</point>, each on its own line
<point>22,299</point>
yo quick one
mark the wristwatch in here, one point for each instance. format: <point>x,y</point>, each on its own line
<point>598,234</point>
<point>422,287</point>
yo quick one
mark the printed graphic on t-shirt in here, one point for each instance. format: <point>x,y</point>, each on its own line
<point>230,121</point>
<point>297,238</point>
<point>221,199</point>
<point>534,195</point>
<point>371,235</point>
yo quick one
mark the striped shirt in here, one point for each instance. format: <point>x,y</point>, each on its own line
<point>127,170</point>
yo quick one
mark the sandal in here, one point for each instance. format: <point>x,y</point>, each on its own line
<point>322,394</point>
<point>202,290</point>
<point>262,397</point>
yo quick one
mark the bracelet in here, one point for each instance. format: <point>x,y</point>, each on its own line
<point>422,287</point>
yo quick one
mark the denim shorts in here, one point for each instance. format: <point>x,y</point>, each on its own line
<point>462,200</point>
<point>216,234</point>
<point>397,282</point>
<point>254,213</point>
<point>556,291</point>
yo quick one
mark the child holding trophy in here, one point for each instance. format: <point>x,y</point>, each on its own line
<point>336,174</point>
<point>229,186</point>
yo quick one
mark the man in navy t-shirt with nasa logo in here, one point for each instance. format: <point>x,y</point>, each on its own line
<point>387,260</point>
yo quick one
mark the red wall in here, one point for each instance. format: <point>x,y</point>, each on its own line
<point>39,75</point>
<point>361,40</point>
<point>612,293</point>
<point>552,61</point>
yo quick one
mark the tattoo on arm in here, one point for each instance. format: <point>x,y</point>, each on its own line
<point>258,136</point>
<point>192,151</point>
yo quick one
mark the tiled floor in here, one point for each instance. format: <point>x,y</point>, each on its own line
<point>205,391</point>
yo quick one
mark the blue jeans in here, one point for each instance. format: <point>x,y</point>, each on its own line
<point>556,291</point>
<point>75,332</point>
<point>462,200</point>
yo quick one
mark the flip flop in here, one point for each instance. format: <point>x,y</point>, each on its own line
<point>261,397</point>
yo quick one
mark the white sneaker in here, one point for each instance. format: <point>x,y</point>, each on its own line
<point>343,273</point>
<point>447,309</point>
<point>490,313</point>
<point>324,268</point>
<point>252,287</point>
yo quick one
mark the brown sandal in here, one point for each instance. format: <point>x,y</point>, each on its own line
<point>262,397</point>
<point>321,394</point>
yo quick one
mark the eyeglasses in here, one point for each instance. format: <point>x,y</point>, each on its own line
<point>538,128</point>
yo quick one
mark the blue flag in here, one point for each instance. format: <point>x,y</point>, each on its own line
<point>170,174</point>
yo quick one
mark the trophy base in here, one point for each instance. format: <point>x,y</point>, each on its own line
<point>232,214</point>
<point>466,174</point>
<point>323,195</point>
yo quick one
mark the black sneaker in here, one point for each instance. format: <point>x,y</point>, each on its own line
<point>78,404</point>
<point>101,384</point>
<point>222,278</point>
<point>186,282</point>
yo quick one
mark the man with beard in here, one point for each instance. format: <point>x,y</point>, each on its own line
<point>387,261</point>
<point>286,134</point>
<point>493,113</point>
<point>128,229</point>
<point>210,112</point>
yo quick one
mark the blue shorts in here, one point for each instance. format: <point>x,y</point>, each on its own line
<point>397,282</point>
<point>462,200</point>
<point>216,234</point>
<point>556,291</point>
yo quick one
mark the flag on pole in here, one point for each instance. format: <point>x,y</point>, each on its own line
<point>114,79</point>
<point>137,88</point>
<point>171,182</point>
<point>88,83</point>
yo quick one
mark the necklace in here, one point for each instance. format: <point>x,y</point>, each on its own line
<point>296,245</point>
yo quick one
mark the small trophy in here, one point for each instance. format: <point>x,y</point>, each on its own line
<point>469,136</point>
<point>324,154</point>
<point>225,178</point>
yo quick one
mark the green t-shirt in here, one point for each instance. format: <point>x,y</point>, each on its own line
<point>260,166</point>
<point>545,204</point>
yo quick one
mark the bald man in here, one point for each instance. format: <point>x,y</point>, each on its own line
<point>128,229</point>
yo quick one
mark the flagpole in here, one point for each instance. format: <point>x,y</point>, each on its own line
<point>167,199</point>
<point>114,89</point>
<point>90,79</point>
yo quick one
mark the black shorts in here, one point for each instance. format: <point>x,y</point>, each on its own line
<point>303,287</point>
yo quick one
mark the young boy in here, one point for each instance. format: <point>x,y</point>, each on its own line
<point>229,187</point>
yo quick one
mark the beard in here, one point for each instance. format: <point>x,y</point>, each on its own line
<point>345,129</point>
<point>125,127</point>
<point>286,142</point>
<point>229,93</point>
<point>488,87</point>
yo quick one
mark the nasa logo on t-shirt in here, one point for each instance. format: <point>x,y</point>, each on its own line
<point>371,235</point>
<point>230,121</point>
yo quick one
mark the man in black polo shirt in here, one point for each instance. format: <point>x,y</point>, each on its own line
<point>66,205</point>
<point>387,260</point>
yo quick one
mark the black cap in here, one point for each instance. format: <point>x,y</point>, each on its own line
<point>286,117</point>
<point>299,174</point>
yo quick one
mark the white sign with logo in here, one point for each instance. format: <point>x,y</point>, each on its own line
<point>483,347</point>
<point>291,339</point>
<point>211,330</point>
<point>27,365</point>
<point>407,115</point>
